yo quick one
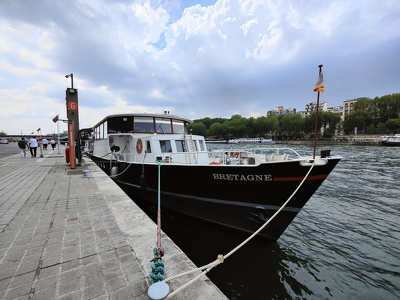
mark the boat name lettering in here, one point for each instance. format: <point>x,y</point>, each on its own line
<point>238,177</point>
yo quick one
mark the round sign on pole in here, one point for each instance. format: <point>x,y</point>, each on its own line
<point>72,105</point>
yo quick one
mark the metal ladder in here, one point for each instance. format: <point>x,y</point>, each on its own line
<point>191,157</point>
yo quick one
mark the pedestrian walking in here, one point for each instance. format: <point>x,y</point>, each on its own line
<point>53,143</point>
<point>33,144</point>
<point>45,142</point>
<point>22,144</point>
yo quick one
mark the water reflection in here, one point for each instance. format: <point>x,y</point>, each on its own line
<point>256,271</point>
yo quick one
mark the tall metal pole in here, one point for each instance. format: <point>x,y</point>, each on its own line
<point>58,137</point>
<point>40,141</point>
<point>316,117</point>
<point>73,115</point>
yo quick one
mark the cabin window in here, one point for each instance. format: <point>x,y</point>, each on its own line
<point>143,124</point>
<point>178,126</point>
<point>148,147</point>
<point>202,147</point>
<point>99,131</point>
<point>195,145</point>
<point>120,125</point>
<point>163,125</point>
<point>180,146</point>
<point>165,146</point>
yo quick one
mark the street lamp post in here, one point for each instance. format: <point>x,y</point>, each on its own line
<point>72,79</point>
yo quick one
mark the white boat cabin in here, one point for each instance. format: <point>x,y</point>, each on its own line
<point>144,138</point>
<point>148,138</point>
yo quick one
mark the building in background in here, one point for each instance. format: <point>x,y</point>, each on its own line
<point>311,107</point>
<point>336,110</point>
<point>281,111</point>
<point>348,107</point>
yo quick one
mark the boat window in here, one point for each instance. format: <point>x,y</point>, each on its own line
<point>178,126</point>
<point>143,124</point>
<point>120,124</point>
<point>202,147</point>
<point>163,125</point>
<point>101,131</point>
<point>85,134</point>
<point>165,146</point>
<point>148,147</point>
<point>96,133</point>
<point>180,146</point>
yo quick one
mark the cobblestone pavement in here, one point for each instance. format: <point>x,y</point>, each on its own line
<point>58,238</point>
<point>63,236</point>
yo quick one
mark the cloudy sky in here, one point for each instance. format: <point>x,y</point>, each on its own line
<point>195,59</point>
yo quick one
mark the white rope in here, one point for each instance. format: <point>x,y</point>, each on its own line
<point>221,258</point>
<point>112,153</point>
<point>122,171</point>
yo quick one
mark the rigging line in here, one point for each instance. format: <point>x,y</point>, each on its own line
<point>221,258</point>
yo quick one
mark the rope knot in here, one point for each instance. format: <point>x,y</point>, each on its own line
<point>157,267</point>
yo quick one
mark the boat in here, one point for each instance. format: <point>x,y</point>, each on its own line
<point>239,189</point>
<point>251,141</point>
<point>390,140</point>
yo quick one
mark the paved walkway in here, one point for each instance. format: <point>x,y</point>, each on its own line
<point>63,236</point>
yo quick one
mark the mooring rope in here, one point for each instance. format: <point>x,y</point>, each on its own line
<point>122,171</point>
<point>220,259</point>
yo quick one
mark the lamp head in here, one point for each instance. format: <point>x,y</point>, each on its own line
<point>66,76</point>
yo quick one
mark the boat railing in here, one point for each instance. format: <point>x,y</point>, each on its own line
<point>187,158</point>
<point>252,156</point>
<point>232,156</point>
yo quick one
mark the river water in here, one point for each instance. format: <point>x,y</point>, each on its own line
<point>344,244</point>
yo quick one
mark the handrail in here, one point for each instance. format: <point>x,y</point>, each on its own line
<point>254,152</point>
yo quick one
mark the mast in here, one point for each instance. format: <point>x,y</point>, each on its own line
<point>319,87</point>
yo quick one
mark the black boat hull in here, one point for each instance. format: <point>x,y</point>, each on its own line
<point>240,198</point>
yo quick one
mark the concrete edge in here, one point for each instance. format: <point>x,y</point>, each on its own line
<point>141,234</point>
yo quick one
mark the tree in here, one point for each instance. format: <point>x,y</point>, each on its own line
<point>292,125</point>
<point>364,104</point>
<point>206,121</point>
<point>359,119</point>
<point>386,107</point>
<point>329,123</point>
<point>217,129</point>
<point>393,125</point>
<point>309,124</point>
<point>236,127</point>
<point>198,128</point>
<point>251,127</point>
<point>261,125</point>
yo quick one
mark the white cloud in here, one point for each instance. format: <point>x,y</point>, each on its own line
<point>216,59</point>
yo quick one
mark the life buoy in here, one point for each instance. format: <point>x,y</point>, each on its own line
<point>67,155</point>
<point>139,146</point>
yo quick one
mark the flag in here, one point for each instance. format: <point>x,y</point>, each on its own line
<point>55,119</point>
<point>38,129</point>
<point>320,86</point>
